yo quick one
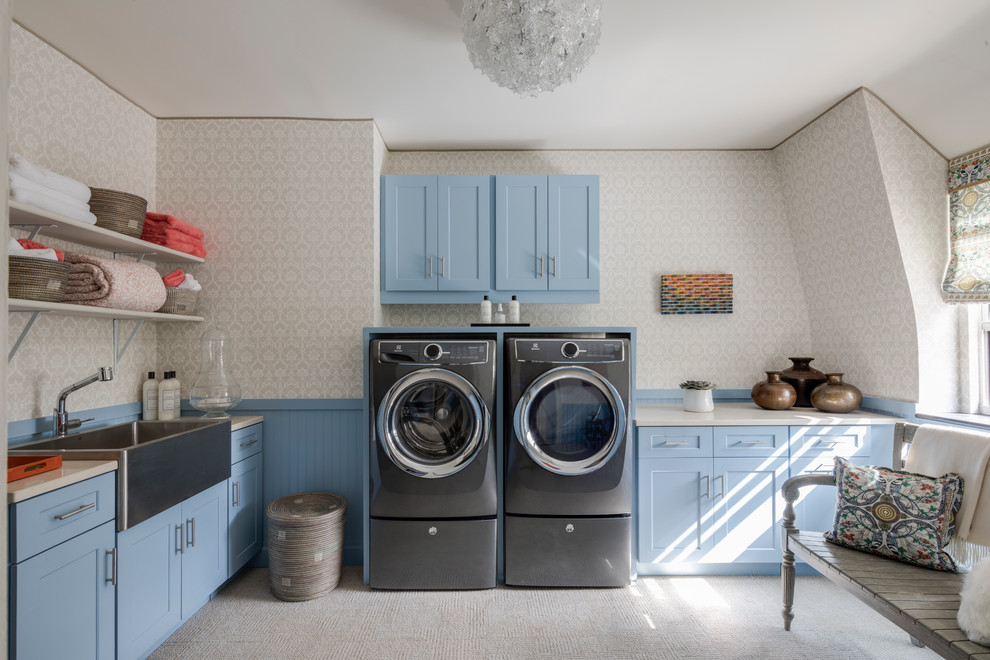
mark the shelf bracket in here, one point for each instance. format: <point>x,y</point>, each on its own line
<point>119,354</point>
<point>24,332</point>
<point>35,229</point>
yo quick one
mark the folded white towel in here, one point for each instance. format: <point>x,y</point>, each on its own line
<point>17,250</point>
<point>23,167</point>
<point>49,203</point>
<point>190,283</point>
<point>17,181</point>
<point>937,450</point>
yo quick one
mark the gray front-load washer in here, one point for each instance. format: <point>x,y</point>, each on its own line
<point>433,499</point>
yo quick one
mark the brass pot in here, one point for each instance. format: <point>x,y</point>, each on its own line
<point>835,396</point>
<point>773,394</point>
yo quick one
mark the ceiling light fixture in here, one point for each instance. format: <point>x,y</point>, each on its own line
<point>530,46</point>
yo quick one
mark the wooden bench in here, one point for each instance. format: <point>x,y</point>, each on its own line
<point>921,601</point>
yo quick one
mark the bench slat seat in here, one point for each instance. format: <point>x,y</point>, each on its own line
<point>921,601</point>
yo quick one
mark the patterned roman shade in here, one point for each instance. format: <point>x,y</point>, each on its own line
<point>967,277</point>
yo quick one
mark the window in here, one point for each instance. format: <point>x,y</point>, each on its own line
<point>983,359</point>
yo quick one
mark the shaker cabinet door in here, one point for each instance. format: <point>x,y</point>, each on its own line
<point>409,233</point>
<point>521,258</point>
<point>464,233</point>
<point>246,513</point>
<point>675,503</point>
<point>573,241</point>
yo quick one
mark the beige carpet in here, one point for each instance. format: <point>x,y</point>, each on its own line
<point>673,617</point>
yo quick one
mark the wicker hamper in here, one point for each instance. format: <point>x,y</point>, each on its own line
<point>118,211</point>
<point>305,544</point>
<point>32,278</point>
<point>179,301</point>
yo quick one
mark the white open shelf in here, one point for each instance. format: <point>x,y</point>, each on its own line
<point>19,305</point>
<point>59,226</point>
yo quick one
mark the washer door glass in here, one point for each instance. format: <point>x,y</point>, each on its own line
<point>432,423</point>
<point>570,420</point>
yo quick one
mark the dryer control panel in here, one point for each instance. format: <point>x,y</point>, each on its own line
<point>417,351</point>
<point>569,351</point>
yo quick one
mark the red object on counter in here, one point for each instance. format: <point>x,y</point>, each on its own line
<point>19,467</point>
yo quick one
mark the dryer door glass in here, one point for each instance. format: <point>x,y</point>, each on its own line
<point>570,420</point>
<point>432,423</point>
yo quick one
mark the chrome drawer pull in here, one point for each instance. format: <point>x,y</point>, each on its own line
<point>85,507</point>
<point>675,442</point>
<point>829,442</point>
<point>180,539</point>
<point>248,444</point>
<point>191,525</point>
<point>752,442</point>
<point>708,485</point>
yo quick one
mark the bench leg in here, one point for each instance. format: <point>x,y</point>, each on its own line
<point>916,642</point>
<point>787,581</point>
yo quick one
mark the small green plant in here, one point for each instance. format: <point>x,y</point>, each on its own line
<point>697,385</point>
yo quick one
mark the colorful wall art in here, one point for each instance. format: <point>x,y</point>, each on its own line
<point>709,293</point>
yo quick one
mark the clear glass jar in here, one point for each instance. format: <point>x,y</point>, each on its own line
<point>215,391</point>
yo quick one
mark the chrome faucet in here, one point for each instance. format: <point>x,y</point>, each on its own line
<point>61,421</point>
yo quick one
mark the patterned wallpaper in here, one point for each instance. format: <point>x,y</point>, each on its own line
<point>288,209</point>
<point>665,212</point>
<point>914,177</point>
<point>847,233</point>
<point>62,118</point>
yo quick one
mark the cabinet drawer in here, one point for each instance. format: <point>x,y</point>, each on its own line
<point>45,521</point>
<point>674,441</point>
<point>830,441</point>
<point>245,442</point>
<point>750,440</point>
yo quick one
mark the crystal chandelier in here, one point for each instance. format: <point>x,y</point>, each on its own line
<point>530,46</point>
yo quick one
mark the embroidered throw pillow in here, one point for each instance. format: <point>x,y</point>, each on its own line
<point>901,515</point>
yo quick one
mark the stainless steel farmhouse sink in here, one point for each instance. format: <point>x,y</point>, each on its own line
<point>160,463</point>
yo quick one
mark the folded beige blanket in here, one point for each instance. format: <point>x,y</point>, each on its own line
<point>937,450</point>
<point>113,283</point>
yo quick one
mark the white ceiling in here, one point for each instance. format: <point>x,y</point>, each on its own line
<point>694,74</point>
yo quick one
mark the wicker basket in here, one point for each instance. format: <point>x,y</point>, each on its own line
<point>32,278</point>
<point>179,301</point>
<point>118,211</point>
<point>305,545</point>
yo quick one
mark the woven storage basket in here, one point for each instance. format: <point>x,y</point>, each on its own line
<point>305,545</point>
<point>179,301</point>
<point>31,278</point>
<point>118,211</point>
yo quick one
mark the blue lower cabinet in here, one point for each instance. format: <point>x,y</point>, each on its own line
<point>245,534</point>
<point>63,599</point>
<point>168,567</point>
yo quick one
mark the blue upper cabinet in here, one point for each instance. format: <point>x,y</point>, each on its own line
<point>436,233</point>
<point>546,233</point>
<point>440,243</point>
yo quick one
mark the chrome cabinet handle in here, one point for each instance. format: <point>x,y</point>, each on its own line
<point>85,507</point>
<point>191,526</point>
<point>430,274</point>
<point>722,478</point>
<point>248,444</point>
<point>675,442</point>
<point>553,261</point>
<point>236,488</point>
<point>541,266</point>
<point>180,539</point>
<point>708,485</point>
<point>113,567</point>
<point>442,269</point>
<point>751,442</point>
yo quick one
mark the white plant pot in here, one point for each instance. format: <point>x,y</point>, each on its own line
<point>698,401</point>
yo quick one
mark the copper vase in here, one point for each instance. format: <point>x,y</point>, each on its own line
<point>804,378</point>
<point>773,394</point>
<point>835,396</point>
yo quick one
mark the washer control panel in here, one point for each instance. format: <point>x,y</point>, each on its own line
<point>566,351</point>
<point>425,351</point>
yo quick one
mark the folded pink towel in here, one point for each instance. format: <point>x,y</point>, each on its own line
<point>113,283</point>
<point>162,220</point>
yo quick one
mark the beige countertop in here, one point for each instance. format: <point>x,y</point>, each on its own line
<point>749,414</point>
<point>243,421</point>
<point>71,472</point>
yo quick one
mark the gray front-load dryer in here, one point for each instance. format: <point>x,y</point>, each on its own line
<point>433,499</point>
<point>568,468</point>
